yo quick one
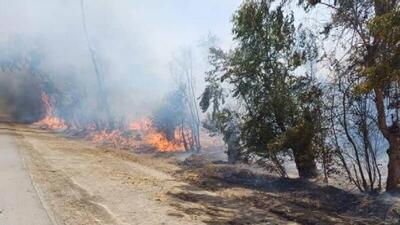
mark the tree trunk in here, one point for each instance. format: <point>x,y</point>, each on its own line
<point>233,142</point>
<point>305,163</point>
<point>103,107</point>
<point>304,158</point>
<point>300,140</point>
<point>392,135</point>
<point>393,179</point>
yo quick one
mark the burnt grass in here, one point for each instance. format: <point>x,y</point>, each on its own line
<point>272,200</point>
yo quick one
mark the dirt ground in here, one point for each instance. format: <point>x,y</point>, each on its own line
<point>83,184</point>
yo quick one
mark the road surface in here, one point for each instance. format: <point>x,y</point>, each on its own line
<point>19,200</point>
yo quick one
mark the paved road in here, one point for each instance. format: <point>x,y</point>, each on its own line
<point>19,202</point>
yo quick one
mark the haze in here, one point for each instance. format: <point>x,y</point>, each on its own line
<point>134,41</point>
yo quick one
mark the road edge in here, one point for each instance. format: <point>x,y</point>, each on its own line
<point>50,214</point>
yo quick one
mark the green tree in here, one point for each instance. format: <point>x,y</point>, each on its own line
<point>372,56</point>
<point>279,110</point>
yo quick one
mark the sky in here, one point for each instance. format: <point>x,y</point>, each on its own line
<point>134,40</point>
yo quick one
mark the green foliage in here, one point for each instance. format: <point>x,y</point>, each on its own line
<point>369,33</point>
<point>277,108</point>
<point>213,92</point>
<point>386,68</point>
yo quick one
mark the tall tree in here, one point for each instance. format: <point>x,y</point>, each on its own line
<point>371,33</point>
<point>354,133</point>
<point>103,105</point>
<point>280,109</point>
<point>183,72</point>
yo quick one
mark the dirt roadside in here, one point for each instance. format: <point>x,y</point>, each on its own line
<point>84,184</point>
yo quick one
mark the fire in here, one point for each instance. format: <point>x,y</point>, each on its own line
<point>141,132</point>
<point>141,125</point>
<point>158,140</point>
<point>115,138</point>
<point>50,121</point>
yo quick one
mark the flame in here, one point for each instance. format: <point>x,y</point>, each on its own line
<point>140,132</point>
<point>115,138</point>
<point>157,139</point>
<point>160,142</point>
<point>50,121</point>
<point>141,125</point>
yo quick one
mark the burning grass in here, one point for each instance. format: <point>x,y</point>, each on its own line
<point>50,121</point>
<point>137,134</point>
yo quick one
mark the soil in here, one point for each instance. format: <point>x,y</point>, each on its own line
<point>84,184</point>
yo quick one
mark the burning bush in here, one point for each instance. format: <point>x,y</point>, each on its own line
<point>50,121</point>
<point>140,133</point>
<point>173,120</point>
<point>170,115</point>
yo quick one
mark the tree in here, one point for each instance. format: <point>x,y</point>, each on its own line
<point>354,132</point>
<point>279,110</point>
<point>371,32</point>
<point>222,119</point>
<point>182,70</point>
<point>103,105</point>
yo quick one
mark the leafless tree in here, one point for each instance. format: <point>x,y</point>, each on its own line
<point>355,134</point>
<point>183,73</point>
<point>103,105</point>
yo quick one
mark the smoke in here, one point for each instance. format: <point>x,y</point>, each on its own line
<point>134,43</point>
<point>17,104</point>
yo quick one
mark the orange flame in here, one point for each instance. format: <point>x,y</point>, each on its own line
<point>115,138</point>
<point>160,142</point>
<point>157,139</point>
<point>141,125</point>
<point>50,121</point>
<point>141,132</point>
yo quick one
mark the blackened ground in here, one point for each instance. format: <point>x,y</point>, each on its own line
<point>245,197</point>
